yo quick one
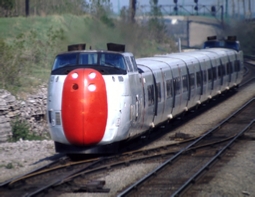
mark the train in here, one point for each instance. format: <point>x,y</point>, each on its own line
<point>99,98</point>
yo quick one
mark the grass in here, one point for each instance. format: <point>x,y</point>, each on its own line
<point>37,40</point>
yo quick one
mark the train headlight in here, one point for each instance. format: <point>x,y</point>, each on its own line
<point>75,75</point>
<point>92,75</point>
<point>92,87</point>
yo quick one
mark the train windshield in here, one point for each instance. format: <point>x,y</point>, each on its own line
<point>65,60</point>
<point>97,58</point>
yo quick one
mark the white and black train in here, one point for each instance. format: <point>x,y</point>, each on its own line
<point>98,98</point>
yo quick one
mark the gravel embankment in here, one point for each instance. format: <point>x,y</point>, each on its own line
<point>23,156</point>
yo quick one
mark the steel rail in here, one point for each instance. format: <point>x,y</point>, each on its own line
<point>199,172</point>
<point>168,161</point>
<point>32,171</point>
<point>60,180</point>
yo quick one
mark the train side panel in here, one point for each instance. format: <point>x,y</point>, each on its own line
<point>54,108</point>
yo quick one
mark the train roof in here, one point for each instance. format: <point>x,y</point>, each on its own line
<point>111,48</point>
<point>92,51</point>
<point>161,61</point>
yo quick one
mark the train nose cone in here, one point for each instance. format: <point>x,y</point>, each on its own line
<point>84,107</point>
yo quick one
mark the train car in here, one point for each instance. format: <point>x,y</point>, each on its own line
<point>98,99</point>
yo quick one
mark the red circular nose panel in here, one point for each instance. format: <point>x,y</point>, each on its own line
<point>84,107</point>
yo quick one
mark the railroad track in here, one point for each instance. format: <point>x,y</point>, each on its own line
<point>65,175</point>
<point>43,178</point>
<point>63,172</point>
<point>180,171</point>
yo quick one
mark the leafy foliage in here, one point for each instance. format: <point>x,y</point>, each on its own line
<point>9,166</point>
<point>20,130</point>
<point>10,70</point>
<point>26,58</point>
<point>156,24</point>
<point>42,7</point>
<point>245,32</point>
<point>7,4</point>
<point>25,52</point>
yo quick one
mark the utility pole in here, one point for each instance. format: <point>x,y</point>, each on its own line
<point>132,10</point>
<point>27,7</point>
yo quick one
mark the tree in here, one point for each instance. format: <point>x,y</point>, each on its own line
<point>7,4</point>
<point>132,10</point>
<point>156,22</point>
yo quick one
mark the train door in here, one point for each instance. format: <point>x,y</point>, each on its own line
<point>214,78</point>
<point>222,69</point>
<point>211,72</point>
<point>230,67</point>
<point>159,94</point>
<point>178,102</point>
<point>169,94</point>
<point>204,66</point>
<point>152,75</point>
<point>197,88</point>
<point>225,74</point>
<point>195,76</point>
<point>238,67</point>
<point>202,77</point>
<point>135,92</point>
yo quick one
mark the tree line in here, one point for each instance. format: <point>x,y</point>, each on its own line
<point>12,8</point>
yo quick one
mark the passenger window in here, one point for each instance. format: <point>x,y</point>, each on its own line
<point>159,92</point>
<point>192,81</point>
<point>177,85</point>
<point>214,73</point>
<point>204,76</point>
<point>185,83</point>
<point>237,66</point>
<point>150,90</point>
<point>223,69</point>
<point>130,68</point>
<point>199,79</point>
<point>169,92</point>
<point>210,74</point>
<point>229,68</point>
<point>219,71</point>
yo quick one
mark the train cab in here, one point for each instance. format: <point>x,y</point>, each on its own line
<point>93,97</point>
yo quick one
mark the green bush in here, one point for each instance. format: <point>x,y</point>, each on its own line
<point>26,60</point>
<point>9,166</point>
<point>20,130</point>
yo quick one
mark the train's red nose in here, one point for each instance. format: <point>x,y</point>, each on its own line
<point>84,107</point>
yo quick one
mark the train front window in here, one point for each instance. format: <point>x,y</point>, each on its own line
<point>88,58</point>
<point>112,60</point>
<point>95,58</point>
<point>64,60</point>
